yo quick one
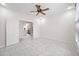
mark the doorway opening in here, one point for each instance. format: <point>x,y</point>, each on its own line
<point>25,30</point>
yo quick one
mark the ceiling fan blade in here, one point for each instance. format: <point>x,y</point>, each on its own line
<point>37,13</point>
<point>33,11</point>
<point>75,4</point>
<point>42,13</point>
<point>45,9</point>
<point>37,6</point>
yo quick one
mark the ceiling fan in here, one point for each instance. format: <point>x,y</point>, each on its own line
<point>39,10</point>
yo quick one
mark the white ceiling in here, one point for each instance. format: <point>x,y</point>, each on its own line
<point>25,8</point>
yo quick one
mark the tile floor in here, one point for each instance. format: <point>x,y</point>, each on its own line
<point>40,47</point>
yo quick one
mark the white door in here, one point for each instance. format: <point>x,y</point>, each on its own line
<point>12,32</point>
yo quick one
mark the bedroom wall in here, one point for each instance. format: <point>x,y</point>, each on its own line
<point>77,27</point>
<point>8,21</point>
<point>60,27</point>
<point>9,27</point>
<point>2,29</point>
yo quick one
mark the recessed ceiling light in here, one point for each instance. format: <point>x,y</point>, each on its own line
<point>4,4</point>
